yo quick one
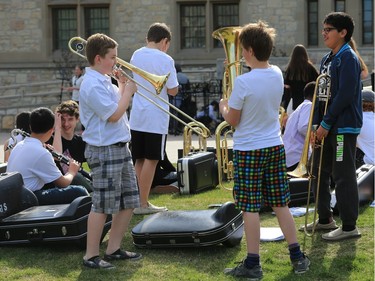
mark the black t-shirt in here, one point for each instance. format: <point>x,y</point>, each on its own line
<point>74,149</point>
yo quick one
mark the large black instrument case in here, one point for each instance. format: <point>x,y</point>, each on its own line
<point>49,223</point>
<point>197,172</point>
<point>23,221</point>
<point>193,228</point>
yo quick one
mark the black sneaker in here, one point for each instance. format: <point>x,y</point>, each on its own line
<point>123,255</point>
<point>301,265</point>
<point>240,270</point>
<point>97,262</point>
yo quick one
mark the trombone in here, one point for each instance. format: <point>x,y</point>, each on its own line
<point>322,87</point>
<point>77,45</point>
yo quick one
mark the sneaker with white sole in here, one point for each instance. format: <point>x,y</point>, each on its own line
<point>150,209</point>
<point>319,226</point>
<point>301,265</point>
<point>241,270</point>
<point>339,234</point>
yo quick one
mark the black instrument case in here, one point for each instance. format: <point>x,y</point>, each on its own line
<point>197,172</point>
<point>23,221</point>
<point>193,228</point>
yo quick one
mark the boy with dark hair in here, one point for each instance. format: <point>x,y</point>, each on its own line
<point>103,108</point>
<point>148,123</point>
<point>296,128</point>
<point>37,167</point>
<point>339,125</point>
<point>259,156</point>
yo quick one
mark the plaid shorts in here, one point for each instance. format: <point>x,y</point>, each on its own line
<point>260,178</point>
<point>113,177</point>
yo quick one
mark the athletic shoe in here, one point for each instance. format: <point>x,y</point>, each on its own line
<point>320,226</point>
<point>241,270</point>
<point>339,234</point>
<point>123,255</point>
<point>150,209</point>
<point>97,262</point>
<point>301,265</point>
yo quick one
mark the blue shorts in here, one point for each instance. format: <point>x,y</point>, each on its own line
<point>114,181</point>
<point>260,178</point>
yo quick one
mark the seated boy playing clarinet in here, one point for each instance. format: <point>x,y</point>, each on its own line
<point>36,164</point>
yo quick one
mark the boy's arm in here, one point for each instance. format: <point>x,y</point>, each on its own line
<point>231,115</point>
<point>57,143</point>
<point>173,91</point>
<point>67,179</point>
<point>126,91</point>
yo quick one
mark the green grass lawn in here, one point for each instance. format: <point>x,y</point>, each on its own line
<point>346,260</point>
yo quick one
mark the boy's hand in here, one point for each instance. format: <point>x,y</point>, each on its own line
<point>130,87</point>
<point>74,166</point>
<point>321,133</point>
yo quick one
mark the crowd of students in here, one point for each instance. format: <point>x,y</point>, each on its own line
<point>122,176</point>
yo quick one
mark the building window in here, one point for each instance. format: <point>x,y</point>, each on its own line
<point>313,23</point>
<point>65,24</point>
<point>193,26</point>
<point>224,15</point>
<point>96,21</point>
<point>195,22</point>
<point>64,27</point>
<point>340,6</point>
<point>368,22</point>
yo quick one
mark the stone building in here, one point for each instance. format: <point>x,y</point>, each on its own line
<point>35,62</point>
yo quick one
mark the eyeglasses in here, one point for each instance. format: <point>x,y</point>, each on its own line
<point>328,29</point>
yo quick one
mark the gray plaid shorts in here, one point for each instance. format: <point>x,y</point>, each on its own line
<point>113,177</point>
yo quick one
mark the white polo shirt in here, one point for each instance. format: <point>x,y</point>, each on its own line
<point>98,101</point>
<point>34,163</point>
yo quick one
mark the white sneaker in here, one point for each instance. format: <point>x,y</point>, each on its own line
<point>339,234</point>
<point>150,209</point>
<point>318,226</point>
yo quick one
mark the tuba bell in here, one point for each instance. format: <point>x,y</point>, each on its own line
<point>229,37</point>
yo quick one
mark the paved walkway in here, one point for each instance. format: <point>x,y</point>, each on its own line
<point>174,143</point>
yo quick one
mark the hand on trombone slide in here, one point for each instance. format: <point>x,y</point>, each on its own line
<point>317,135</point>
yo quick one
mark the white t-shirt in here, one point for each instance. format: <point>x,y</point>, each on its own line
<point>295,133</point>
<point>366,139</point>
<point>144,115</point>
<point>34,163</point>
<point>76,83</point>
<point>258,94</point>
<point>98,101</point>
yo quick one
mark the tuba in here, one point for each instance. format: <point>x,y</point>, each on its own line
<point>229,37</point>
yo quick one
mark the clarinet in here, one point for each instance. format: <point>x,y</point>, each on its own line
<point>58,156</point>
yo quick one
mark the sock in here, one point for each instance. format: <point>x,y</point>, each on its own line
<point>346,227</point>
<point>116,252</point>
<point>251,260</point>
<point>295,251</point>
<point>324,221</point>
